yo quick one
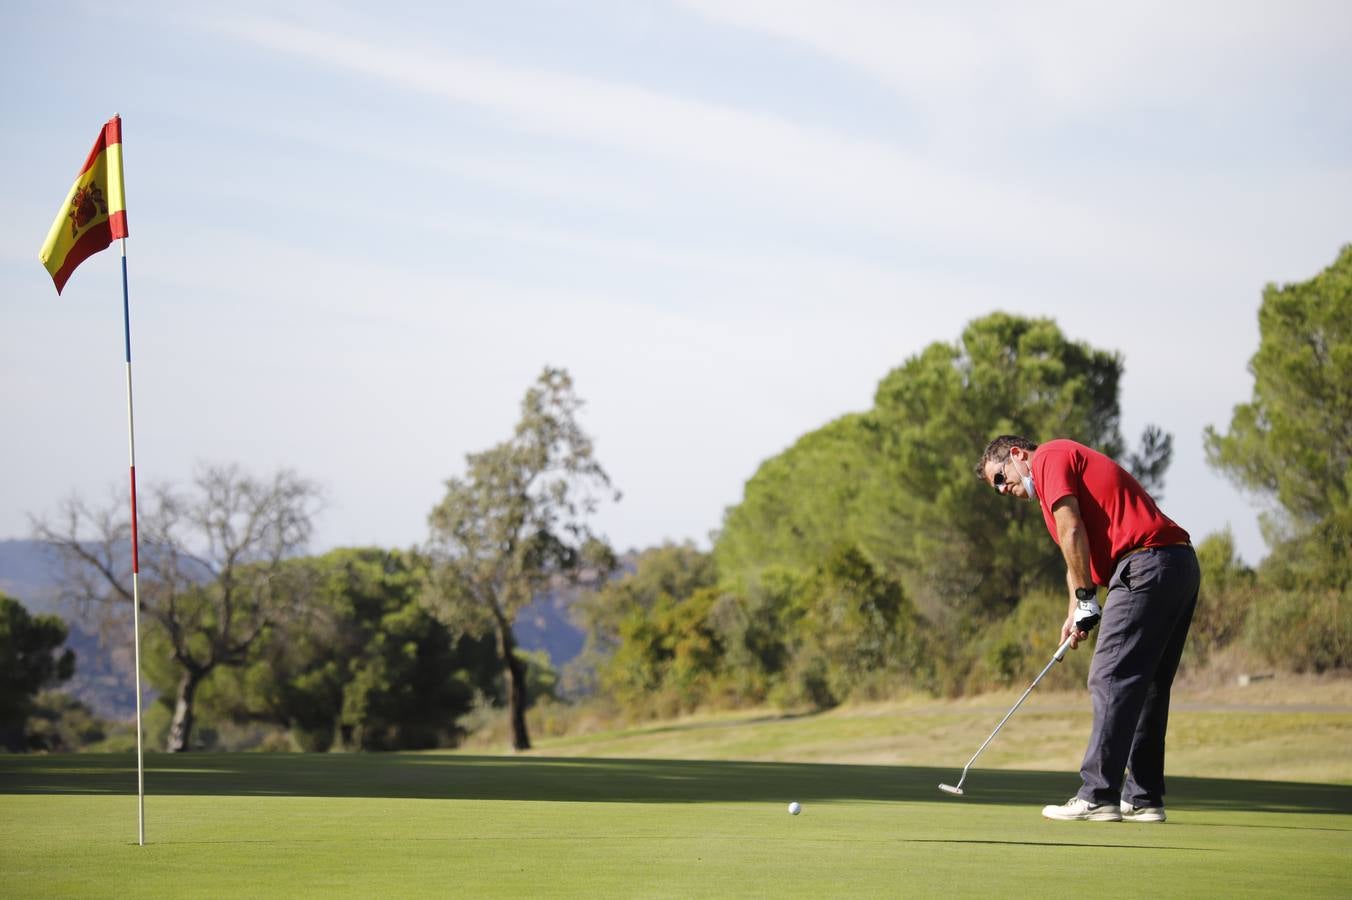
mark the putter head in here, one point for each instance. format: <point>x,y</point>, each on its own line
<point>949,789</point>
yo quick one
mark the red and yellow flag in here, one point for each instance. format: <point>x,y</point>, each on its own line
<point>95,211</point>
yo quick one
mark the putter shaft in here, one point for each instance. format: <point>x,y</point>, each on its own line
<point>1056,658</point>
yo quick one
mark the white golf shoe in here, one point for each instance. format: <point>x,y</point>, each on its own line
<point>1142,813</point>
<point>1077,810</point>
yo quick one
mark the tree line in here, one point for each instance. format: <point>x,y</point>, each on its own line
<point>862,561</point>
<point>365,648</point>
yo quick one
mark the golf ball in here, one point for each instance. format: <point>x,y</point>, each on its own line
<point>794,808</point>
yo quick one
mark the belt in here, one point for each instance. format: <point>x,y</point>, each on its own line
<point>1134,550</point>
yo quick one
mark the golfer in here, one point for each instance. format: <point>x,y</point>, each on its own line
<point>1111,533</point>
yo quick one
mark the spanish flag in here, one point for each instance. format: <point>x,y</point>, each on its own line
<point>95,211</point>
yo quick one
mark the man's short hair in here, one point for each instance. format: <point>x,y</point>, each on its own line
<point>998,451</point>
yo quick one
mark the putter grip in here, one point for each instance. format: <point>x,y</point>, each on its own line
<point>1060,654</point>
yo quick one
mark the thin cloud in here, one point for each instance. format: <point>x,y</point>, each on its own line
<point>1059,59</point>
<point>828,173</point>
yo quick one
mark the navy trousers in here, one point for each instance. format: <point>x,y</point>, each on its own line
<point>1145,622</point>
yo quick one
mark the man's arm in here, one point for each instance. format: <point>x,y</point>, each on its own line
<point>1074,541</point>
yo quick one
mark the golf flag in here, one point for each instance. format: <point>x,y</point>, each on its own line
<point>95,211</point>
<point>93,216</point>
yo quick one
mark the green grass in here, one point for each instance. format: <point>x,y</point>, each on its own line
<point>1280,742</point>
<point>1260,804</point>
<point>401,825</point>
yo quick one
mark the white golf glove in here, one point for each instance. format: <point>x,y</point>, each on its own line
<point>1087,614</point>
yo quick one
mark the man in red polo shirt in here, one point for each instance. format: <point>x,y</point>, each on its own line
<point>1111,533</point>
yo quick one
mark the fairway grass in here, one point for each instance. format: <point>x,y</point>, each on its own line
<point>1297,732</point>
<point>451,825</point>
<point>1260,805</point>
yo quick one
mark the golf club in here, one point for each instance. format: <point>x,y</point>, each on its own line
<point>1086,617</point>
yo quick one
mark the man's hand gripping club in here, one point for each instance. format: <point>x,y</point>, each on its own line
<point>1082,620</point>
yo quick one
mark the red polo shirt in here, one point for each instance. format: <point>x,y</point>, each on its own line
<point>1118,514</point>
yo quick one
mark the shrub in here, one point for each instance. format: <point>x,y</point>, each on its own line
<point>1305,632</point>
<point>1223,602</point>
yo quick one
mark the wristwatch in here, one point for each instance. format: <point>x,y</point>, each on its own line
<point>1085,593</point>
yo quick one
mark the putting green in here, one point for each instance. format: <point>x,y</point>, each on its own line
<point>403,825</point>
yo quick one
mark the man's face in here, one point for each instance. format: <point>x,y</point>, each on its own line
<point>1007,477</point>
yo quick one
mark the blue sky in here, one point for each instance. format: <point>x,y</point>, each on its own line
<point>359,231</point>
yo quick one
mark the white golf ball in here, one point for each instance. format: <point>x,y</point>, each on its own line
<point>795,808</point>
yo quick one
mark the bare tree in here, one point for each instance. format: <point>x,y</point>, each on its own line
<point>209,566</point>
<point>517,521</point>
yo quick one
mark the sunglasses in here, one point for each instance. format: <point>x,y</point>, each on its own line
<point>999,480</point>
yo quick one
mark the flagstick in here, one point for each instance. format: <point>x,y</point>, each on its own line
<point>135,564</point>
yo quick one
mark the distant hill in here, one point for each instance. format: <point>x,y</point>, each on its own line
<point>105,679</point>
<point>546,625</point>
<point>30,571</point>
